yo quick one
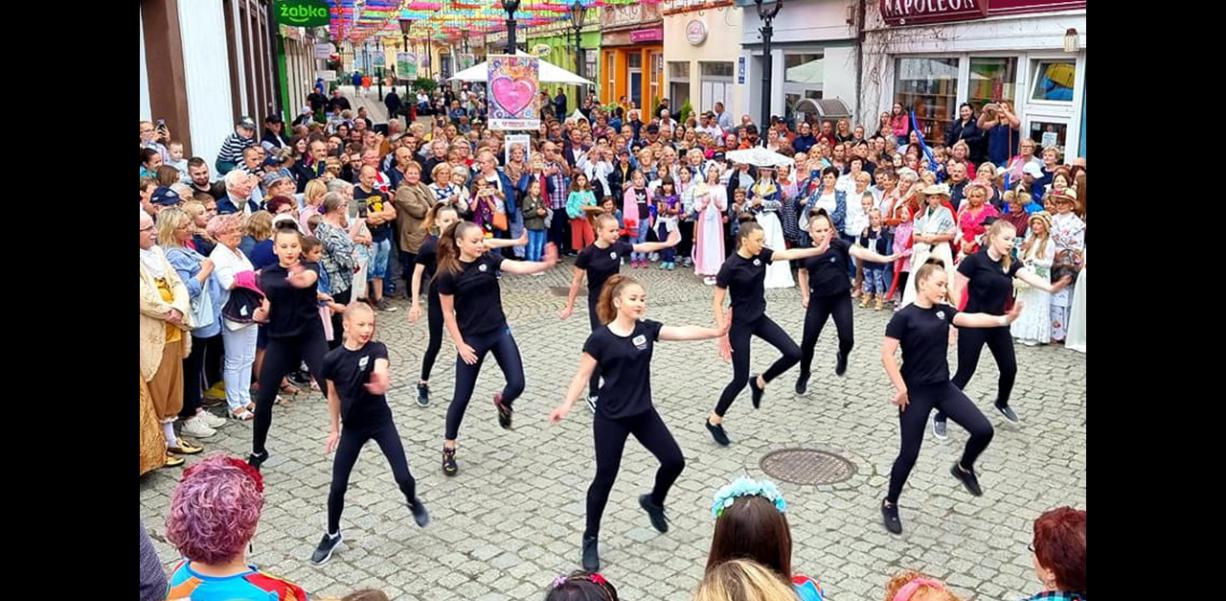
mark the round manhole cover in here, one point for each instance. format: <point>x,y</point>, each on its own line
<point>807,466</point>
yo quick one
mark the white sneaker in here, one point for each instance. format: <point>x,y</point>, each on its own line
<point>211,420</point>
<point>710,281</point>
<point>196,428</point>
<point>591,404</point>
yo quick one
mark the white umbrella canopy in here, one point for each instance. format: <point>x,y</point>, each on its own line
<point>550,73</point>
<point>759,157</point>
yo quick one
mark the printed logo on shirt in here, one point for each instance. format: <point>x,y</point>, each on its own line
<point>363,362</point>
<point>757,262</point>
<point>640,342</point>
<point>832,259</point>
<point>613,255</point>
<point>941,315</point>
<point>482,268</point>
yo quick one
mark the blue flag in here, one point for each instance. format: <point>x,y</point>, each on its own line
<point>932,161</point>
<point>1007,178</point>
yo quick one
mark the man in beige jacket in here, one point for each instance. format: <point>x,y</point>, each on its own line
<point>413,201</point>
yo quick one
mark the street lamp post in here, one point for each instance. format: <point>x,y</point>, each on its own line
<point>510,6</point>
<point>405,25</point>
<point>577,12</point>
<point>382,60</point>
<point>768,16</point>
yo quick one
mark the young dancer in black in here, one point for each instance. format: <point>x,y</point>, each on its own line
<point>825,292</point>
<point>743,275</point>
<point>295,331</point>
<point>988,277</point>
<point>622,349</point>
<point>472,311</point>
<point>438,219</point>
<point>600,260</point>
<point>922,384</point>
<point>357,376</point>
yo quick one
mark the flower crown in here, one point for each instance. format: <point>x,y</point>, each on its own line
<point>747,487</point>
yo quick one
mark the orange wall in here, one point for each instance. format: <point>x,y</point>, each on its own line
<point>621,75</point>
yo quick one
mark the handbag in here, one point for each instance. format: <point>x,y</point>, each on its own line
<point>500,221</point>
<point>202,309</point>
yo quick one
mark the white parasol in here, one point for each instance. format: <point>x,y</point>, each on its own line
<point>759,157</point>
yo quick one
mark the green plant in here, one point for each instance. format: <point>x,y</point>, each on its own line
<point>425,83</point>
<point>687,110</point>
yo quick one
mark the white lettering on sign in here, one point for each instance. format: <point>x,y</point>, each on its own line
<point>895,11</point>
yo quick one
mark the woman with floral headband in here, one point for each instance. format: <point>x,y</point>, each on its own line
<point>622,349</point>
<point>914,586</point>
<point>581,586</point>
<point>214,512</point>
<point>751,523</point>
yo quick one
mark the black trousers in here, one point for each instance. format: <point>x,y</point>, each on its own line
<point>283,356</point>
<point>685,248</point>
<point>434,321</point>
<point>739,336</point>
<point>204,350</point>
<point>338,321</point>
<point>593,383</point>
<point>821,308</point>
<point>970,345</point>
<point>502,345</point>
<point>352,440</point>
<point>914,419</point>
<point>408,262</point>
<point>610,437</point>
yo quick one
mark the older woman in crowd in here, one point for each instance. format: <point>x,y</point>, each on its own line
<point>1059,548</point>
<point>934,228</point>
<point>339,257</point>
<point>214,513</point>
<point>1068,231</point>
<point>239,339</point>
<point>196,272</point>
<point>165,313</point>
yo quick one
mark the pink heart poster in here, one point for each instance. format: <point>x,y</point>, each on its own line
<point>513,88</point>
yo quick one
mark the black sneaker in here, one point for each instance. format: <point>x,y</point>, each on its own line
<point>840,367</point>
<point>257,459</point>
<point>938,429</point>
<point>420,515</point>
<point>323,552</point>
<point>300,378</point>
<point>591,557</point>
<point>756,393</point>
<point>968,480</point>
<point>449,465</point>
<point>655,512</point>
<point>504,412</point>
<point>591,403</point>
<point>889,516</point>
<point>802,383</point>
<point>1007,411</point>
<point>717,432</point>
<point>423,394</point>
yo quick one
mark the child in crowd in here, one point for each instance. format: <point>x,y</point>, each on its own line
<point>879,240</point>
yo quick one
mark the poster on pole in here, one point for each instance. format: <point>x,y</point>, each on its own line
<point>509,143</point>
<point>513,82</point>
<point>467,60</point>
<point>406,65</point>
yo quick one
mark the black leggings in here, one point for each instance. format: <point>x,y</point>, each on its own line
<point>820,308</point>
<point>686,246</point>
<point>913,420</point>
<point>408,262</point>
<point>204,350</point>
<point>434,321</point>
<point>502,345</point>
<point>610,436</point>
<point>593,383</point>
<point>739,336</point>
<point>338,321</point>
<point>970,344</point>
<point>283,356</point>
<point>352,439</point>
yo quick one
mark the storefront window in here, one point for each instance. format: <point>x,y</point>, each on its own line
<point>1053,81</point>
<point>716,69</point>
<point>678,83</point>
<point>1048,133</point>
<point>802,68</point>
<point>790,101</point>
<point>992,80</point>
<point>928,86</point>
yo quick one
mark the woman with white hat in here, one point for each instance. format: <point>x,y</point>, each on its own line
<point>1068,231</point>
<point>934,228</point>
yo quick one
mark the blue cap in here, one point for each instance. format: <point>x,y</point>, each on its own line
<point>165,197</point>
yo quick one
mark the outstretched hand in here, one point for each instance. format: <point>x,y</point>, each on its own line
<point>551,256</point>
<point>522,240</point>
<point>378,383</point>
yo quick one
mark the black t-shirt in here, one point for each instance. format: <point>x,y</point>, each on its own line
<point>478,300</point>
<point>350,371</point>
<point>427,256</point>
<point>744,278</point>
<point>601,264</point>
<point>640,196</point>
<point>828,271</point>
<point>990,285</point>
<point>373,202</point>
<point>292,310</point>
<point>924,336</point>
<point>625,365</point>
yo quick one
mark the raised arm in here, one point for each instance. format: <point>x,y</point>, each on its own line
<point>530,267</point>
<point>800,253</point>
<point>866,254</point>
<point>674,237</point>
<point>983,320</point>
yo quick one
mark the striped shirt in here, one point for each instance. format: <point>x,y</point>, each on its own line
<point>232,149</point>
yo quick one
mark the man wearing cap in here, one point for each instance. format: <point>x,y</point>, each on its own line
<point>163,197</point>
<point>274,134</point>
<point>238,194</point>
<point>279,183</point>
<point>652,136</point>
<point>234,145</point>
<point>1031,176</point>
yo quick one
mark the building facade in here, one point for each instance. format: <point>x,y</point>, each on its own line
<point>701,52</point>
<point>632,54</point>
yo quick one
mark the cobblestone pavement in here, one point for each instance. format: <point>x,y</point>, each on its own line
<point>513,517</point>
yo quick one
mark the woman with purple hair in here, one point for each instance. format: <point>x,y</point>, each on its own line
<point>213,515</point>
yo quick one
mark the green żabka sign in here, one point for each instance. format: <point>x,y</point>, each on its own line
<point>302,13</point>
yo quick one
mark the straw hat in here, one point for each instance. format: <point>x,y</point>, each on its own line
<point>937,189</point>
<point>1059,197</point>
